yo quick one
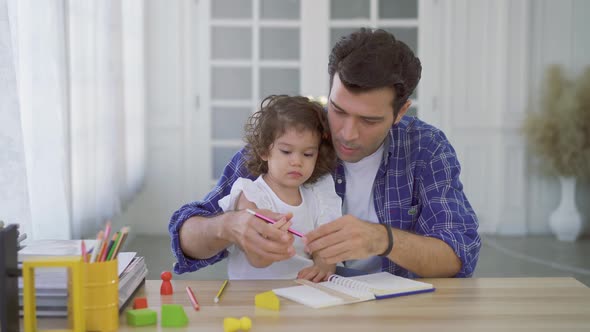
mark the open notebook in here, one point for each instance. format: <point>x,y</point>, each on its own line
<point>340,290</point>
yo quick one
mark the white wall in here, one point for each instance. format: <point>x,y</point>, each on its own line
<point>559,34</point>
<point>475,67</point>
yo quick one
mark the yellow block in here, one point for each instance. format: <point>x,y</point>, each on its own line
<point>267,300</point>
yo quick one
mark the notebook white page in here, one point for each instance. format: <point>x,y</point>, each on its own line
<point>385,283</point>
<point>308,296</point>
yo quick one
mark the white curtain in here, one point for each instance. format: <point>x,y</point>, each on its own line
<point>14,193</point>
<point>134,87</point>
<point>42,84</point>
<point>81,93</point>
<point>107,107</point>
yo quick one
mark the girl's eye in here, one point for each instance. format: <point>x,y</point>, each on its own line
<point>308,154</point>
<point>285,152</point>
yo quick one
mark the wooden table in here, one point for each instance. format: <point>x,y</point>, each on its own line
<point>495,304</point>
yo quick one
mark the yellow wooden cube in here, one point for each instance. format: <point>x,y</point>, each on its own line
<point>267,300</point>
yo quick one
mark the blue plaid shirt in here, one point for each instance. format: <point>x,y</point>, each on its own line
<point>417,189</point>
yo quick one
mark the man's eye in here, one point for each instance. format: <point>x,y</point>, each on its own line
<point>335,109</point>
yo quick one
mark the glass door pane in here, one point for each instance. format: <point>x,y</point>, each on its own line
<point>231,43</point>
<point>223,9</point>
<point>350,9</point>
<point>283,9</point>
<point>279,43</point>
<point>398,9</point>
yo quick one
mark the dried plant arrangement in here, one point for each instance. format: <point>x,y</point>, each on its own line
<point>560,131</point>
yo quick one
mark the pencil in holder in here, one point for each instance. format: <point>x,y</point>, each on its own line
<point>101,296</point>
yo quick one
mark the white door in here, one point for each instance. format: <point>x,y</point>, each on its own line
<point>250,49</point>
<point>475,74</point>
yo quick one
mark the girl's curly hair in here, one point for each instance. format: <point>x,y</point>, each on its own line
<point>277,114</point>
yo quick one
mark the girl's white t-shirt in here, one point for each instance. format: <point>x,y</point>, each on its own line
<point>320,205</point>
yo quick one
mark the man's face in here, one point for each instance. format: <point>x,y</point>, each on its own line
<point>359,122</point>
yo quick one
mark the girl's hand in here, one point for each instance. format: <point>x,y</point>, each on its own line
<point>317,272</point>
<point>262,243</point>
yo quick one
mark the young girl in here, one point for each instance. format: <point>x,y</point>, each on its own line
<point>290,150</point>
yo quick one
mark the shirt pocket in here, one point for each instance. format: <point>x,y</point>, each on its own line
<point>405,217</point>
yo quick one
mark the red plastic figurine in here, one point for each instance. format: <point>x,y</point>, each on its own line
<point>166,288</point>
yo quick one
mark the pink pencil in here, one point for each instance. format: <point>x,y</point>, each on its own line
<point>192,298</point>
<point>268,220</point>
<point>107,234</point>
<point>84,259</point>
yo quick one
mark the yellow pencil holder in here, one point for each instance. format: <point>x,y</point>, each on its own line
<point>101,296</point>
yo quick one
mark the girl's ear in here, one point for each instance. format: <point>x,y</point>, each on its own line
<point>264,154</point>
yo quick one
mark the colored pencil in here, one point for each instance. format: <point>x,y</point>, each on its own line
<point>109,247</point>
<point>218,296</point>
<point>105,244</point>
<point>124,233</point>
<point>97,245</point>
<point>268,220</point>
<point>192,298</point>
<point>116,239</point>
<point>83,245</point>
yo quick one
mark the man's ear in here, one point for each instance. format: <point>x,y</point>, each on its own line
<point>403,111</point>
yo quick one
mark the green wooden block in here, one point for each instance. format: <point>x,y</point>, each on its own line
<point>142,317</point>
<point>173,315</point>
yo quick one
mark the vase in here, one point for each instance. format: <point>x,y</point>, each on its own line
<point>566,221</point>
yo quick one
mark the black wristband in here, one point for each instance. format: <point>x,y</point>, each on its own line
<point>389,241</point>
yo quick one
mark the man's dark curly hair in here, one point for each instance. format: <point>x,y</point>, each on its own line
<point>277,114</point>
<point>371,59</point>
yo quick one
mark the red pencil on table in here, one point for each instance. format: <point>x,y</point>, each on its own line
<point>193,299</point>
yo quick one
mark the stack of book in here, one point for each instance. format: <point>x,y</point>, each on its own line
<point>51,283</point>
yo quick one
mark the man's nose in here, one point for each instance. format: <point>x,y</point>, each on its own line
<point>349,130</point>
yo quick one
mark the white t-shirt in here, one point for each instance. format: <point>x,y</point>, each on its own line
<point>359,202</point>
<point>320,204</point>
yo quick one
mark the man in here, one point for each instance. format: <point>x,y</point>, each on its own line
<point>404,210</point>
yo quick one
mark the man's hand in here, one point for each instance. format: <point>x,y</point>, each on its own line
<point>346,238</point>
<point>262,243</point>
